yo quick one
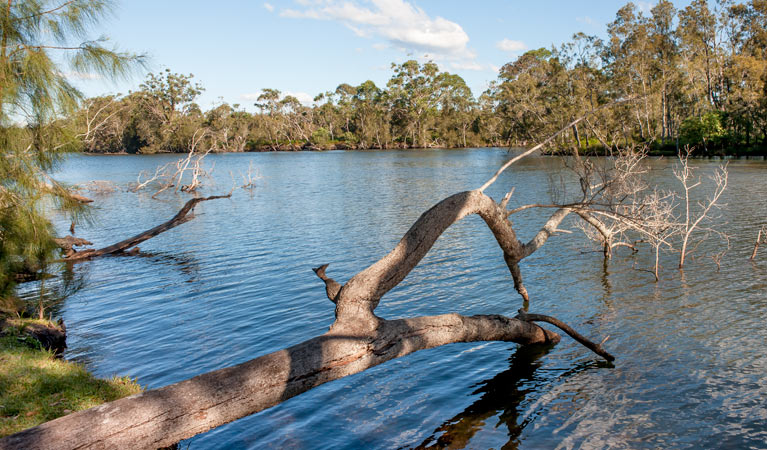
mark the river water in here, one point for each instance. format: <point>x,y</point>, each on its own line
<point>236,282</point>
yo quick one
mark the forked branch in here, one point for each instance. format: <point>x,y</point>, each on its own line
<point>356,341</point>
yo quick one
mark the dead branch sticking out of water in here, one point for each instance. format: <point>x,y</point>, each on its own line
<point>357,340</point>
<point>181,217</point>
<point>762,232</point>
<point>172,174</point>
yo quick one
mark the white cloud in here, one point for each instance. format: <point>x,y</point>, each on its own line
<point>645,7</point>
<point>585,19</point>
<point>508,45</point>
<point>302,97</point>
<point>400,22</point>
<point>472,65</point>
<point>75,75</point>
<point>269,7</point>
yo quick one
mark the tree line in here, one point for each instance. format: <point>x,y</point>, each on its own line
<point>697,76</point>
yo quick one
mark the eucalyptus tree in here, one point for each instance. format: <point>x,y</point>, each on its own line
<point>228,128</point>
<point>343,98</point>
<point>702,56</point>
<point>326,116</point>
<point>166,115</point>
<point>628,59</point>
<point>529,94</point>
<point>102,124</point>
<point>368,121</point>
<point>270,117</point>
<point>42,43</point>
<point>665,52</point>
<point>746,28</point>
<point>297,121</point>
<point>457,109</point>
<point>489,123</point>
<point>585,86</point>
<point>412,92</point>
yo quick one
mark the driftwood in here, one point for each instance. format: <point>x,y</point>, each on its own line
<point>60,190</point>
<point>181,217</point>
<point>357,340</point>
<point>68,243</point>
<point>596,348</point>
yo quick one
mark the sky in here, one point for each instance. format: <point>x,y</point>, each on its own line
<point>236,48</point>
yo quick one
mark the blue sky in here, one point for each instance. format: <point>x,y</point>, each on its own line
<point>235,48</point>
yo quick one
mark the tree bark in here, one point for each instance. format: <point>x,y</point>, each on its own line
<point>69,242</point>
<point>356,341</point>
<point>162,417</point>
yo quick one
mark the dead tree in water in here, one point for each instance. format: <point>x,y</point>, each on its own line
<point>166,176</point>
<point>71,255</point>
<point>357,340</point>
<point>691,222</point>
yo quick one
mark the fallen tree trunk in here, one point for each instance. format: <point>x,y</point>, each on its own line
<point>356,341</point>
<point>181,217</point>
<point>162,417</point>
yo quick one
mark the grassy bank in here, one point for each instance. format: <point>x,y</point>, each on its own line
<point>36,387</point>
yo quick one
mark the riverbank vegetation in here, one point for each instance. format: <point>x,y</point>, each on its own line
<point>698,76</point>
<point>36,386</point>
<point>646,87</point>
<point>41,42</point>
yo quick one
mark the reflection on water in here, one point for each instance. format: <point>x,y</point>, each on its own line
<point>503,399</point>
<point>236,282</point>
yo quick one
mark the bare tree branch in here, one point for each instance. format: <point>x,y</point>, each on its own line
<point>178,219</point>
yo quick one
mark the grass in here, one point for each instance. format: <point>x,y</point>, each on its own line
<point>36,387</point>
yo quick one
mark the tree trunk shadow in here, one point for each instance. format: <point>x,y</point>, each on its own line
<point>501,396</point>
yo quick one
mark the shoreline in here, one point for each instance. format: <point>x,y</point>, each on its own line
<point>37,385</point>
<point>755,154</point>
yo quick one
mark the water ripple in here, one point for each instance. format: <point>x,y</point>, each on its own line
<point>236,282</point>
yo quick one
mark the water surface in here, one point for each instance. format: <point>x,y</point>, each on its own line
<point>236,282</point>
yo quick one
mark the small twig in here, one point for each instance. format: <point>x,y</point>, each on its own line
<point>507,197</point>
<point>596,348</point>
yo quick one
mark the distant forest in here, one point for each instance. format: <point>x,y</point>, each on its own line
<point>696,76</point>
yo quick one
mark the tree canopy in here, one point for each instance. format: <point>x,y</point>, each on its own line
<point>42,45</point>
<point>698,76</point>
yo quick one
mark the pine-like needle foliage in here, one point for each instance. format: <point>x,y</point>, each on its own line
<point>42,43</point>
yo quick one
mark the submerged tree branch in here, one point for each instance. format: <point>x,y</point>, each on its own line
<point>356,341</point>
<point>762,231</point>
<point>596,348</point>
<point>178,219</point>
